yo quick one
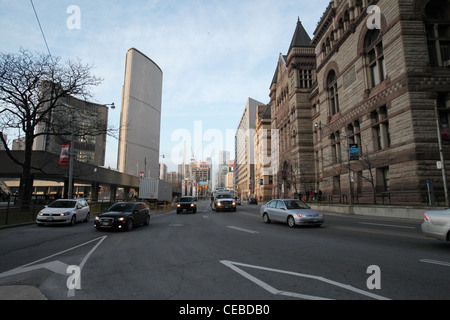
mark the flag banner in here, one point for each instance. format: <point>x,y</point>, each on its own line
<point>64,155</point>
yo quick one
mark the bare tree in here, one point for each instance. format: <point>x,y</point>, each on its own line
<point>34,89</point>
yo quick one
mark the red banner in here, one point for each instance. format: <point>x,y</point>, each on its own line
<point>64,155</point>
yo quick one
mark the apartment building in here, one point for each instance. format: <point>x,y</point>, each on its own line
<point>244,149</point>
<point>263,153</point>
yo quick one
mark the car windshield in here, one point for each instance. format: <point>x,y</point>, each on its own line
<point>121,207</point>
<point>187,199</point>
<point>295,204</point>
<point>223,196</point>
<point>62,204</point>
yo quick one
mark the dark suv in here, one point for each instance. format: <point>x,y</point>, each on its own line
<point>187,204</point>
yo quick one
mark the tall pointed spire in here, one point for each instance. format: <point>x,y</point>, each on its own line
<point>301,37</point>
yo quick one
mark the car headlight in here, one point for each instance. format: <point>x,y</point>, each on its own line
<point>65,213</point>
<point>121,219</point>
<point>234,203</point>
<point>178,205</point>
<point>192,205</point>
<point>219,204</point>
<point>300,215</point>
<point>97,218</point>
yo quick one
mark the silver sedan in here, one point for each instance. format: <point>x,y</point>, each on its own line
<point>291,211</point>
<point>437,224</point>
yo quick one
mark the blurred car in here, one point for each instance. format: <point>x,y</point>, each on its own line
<point>187,204</point>
<point>64,211</point>
<point>123,216</point>
<point>291,211</point>
<point>237,200</point>
<point>436,224</point>
<point>252,201</point>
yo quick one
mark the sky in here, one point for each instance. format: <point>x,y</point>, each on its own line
<point>214,56</point>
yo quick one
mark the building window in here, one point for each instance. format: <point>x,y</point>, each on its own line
<point>383,179</point>
<point>305,79</point>
<point>335,147</point>
<point>437,27</point>
<point>375,57</point>
<point>337,184</point>
<point>380,129</point>
<point>354,135</point>
<point>333,92</point>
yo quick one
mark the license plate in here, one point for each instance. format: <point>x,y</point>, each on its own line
<point>105,223</point>
<point>49,218</point>
<point>184,210</point>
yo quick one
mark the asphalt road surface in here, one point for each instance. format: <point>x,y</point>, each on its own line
<point>229,256</point>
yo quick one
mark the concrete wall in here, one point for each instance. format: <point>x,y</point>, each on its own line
<point>141,116</point>
<point>414,213</point>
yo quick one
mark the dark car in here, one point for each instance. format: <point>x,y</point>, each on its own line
<point>187,204</point>
<point>123,216</point>
<point>252,201</point>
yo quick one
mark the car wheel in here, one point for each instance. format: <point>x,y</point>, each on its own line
<point>73,220</point>
<point>291,221</point>
<point>147,221</point>
<point>88,215</point>
<point>129,225</point>
<point>266,218</point>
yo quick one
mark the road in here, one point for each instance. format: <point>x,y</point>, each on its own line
<point>228,256</point>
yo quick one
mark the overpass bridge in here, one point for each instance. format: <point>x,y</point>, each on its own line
<point>46,168</point>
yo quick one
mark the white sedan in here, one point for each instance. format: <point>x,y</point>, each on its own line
<point>437,224</point>
<point>64,211</point>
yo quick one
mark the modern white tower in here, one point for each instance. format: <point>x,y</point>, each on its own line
<point>140,120</point>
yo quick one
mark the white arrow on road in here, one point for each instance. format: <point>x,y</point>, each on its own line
<point>233,266</point>
<point>55,266</point>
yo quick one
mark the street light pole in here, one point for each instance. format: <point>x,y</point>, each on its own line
<point>317,126</point>
<point>441,153</point>
<point>72,153</point>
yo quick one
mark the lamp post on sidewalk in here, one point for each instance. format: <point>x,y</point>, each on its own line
<point>441,153</point>
<point>72,153</point>
<point>318,126</point>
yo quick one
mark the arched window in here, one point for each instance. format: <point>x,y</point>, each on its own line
<point>437,25</point>
<point>346,20</point>
<point>374,48</point>
<point>333,92</point>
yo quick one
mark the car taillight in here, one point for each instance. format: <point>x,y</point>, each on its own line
<point>425,217</point>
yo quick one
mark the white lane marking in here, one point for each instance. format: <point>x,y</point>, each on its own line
<point>55,266</point>
<point>233,266</point>
<point>387,225</point>
<point>442,263</point>
<point>242,229</point>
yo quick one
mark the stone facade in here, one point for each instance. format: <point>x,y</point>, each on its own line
<point>355,106</point>
<point>263,153</point>
<point>291,117</point>
<point>376,90</point>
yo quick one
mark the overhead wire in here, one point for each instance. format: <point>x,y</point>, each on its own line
<point>40,27</point>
